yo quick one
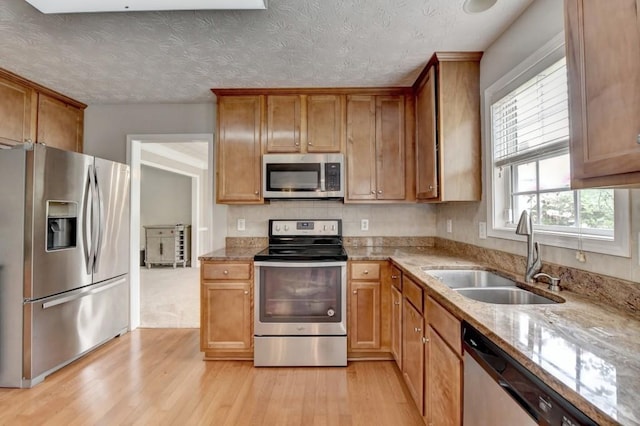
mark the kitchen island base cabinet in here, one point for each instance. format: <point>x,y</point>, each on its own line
<point>226,318</point>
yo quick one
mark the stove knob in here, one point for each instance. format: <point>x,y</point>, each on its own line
<point>286,227</point>
<point>333,227</point>
<point>278,228</point>
<point>324,228</point>
<point>331,312</point>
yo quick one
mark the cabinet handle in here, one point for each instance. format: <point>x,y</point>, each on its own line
<point>355,291</point>
<point>366,272</point>
<point>431,187</point>
<point>379,191</point>
<point>638,139</point>
<point>246,292</point>
<point>161,249</point>
<point>297,143</point>
<point>309,143</point>
<point>396,303</point>
<point>373,192</point>
<point>394,277</point>
<point>417,329</point>
<point>425,340</point>
<point>256,193</point>
<point>225,272</point>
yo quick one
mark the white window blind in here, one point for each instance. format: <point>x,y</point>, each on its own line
<point>532,120</point>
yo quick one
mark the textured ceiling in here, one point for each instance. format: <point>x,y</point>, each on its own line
<point>140,57</point>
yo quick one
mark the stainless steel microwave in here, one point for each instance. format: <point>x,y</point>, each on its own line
<point>300,176</point>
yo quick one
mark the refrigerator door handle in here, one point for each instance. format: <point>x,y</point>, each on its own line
<point>70,298</point>
<point>100,221</point>
<point>87,235</point>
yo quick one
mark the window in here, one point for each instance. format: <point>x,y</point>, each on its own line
<point>527,117</point>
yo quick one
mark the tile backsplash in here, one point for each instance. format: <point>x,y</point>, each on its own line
<point>384,219</point>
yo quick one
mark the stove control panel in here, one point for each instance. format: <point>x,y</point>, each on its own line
<point>327,227</point>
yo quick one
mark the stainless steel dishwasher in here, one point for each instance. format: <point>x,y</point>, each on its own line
<point>499,391</point>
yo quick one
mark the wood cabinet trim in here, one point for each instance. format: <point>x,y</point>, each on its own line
<point>315,91</point>
<point>444,323</point>
<point>6,74</point>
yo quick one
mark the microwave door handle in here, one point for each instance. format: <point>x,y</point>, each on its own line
<point>323,186</point>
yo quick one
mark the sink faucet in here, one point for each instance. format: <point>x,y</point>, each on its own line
<point>534,264</point>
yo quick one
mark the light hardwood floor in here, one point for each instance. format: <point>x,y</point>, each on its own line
<point>157,377</point>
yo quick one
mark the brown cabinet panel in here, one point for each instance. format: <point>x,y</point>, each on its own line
<point>226,320</point>
<point>390,147</point>
<point>603,58</point>
<point>324,123</point>
<point>239,149</point>
<point>60,125</point>
<point>396,277</point>
<point>365,271</point>
<point>426,144</point>
<point>226,271</point>
<point>413,293</point>
<point>18,111</point>
<point>443,379</point>
<point>448,129</point>
<point>361,148</point>
<point>413,353</point>
<point>396,326</point>
<point>364,319</point>
<point>283,123</point>
<point>445,324</point>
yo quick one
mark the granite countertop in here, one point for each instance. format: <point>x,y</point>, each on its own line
<point>587,351</point>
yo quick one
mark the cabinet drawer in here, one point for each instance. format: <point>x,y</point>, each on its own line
<point>413,293</point>
<point>365,271</point>
<point>396,278</point>
<point>226,271</point>
<point>169,232</point>
<point>447,326</point>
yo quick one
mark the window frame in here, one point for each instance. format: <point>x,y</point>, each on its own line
<point>498,192</point>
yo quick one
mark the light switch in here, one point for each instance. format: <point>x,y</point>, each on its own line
<point>449,226</point>
<point>364,224</point>
<point>241,224</point>
<point>482,230</point>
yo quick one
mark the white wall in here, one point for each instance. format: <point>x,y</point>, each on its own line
<point>165,198</point>
<point>536,26</point>
<point>106,126</point>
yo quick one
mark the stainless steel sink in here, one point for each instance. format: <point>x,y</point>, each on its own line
<point>486,286</point>
<point>469,278</point>
<point>504,296</point>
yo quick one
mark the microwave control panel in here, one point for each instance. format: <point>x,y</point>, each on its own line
<point>332,176</point>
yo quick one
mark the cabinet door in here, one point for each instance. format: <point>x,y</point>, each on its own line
<point>603,59</point>
<point>168,249</point>
<point>153,252</point>
<point>18,112</point>
<point>226,315</point>
<point>426,141</point>
<point>396,326</point>
<point>443,379</point>
<point>324,123</point>
<point>239,149</point>
<point>361,148</point>
<point>60,125</point>
<point>364,321</point>
<point>390,162</point>
<point>283,123</point>
<point>413,353</point>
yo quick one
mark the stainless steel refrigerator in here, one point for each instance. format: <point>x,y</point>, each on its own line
<point>64,259</point>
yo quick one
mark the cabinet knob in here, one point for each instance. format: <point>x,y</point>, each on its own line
<point>431,187</point>
<point>366,272</point>
<point>425,340</point>
<point>257,192</point>
<point>396,303</point>
<point>394,277</point>
<point>297,143</point>
<point>638,139</point>
<point>246,292</point>
<point>355,291</point>
<point>225,272</point>
<point>373,192</point>
<point>309,143</point>
<point>417,329</point>
<point>379,191</point>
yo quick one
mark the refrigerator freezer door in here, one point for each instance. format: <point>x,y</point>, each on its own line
<point>64,327</point>
<point>112,251</point>
<point>56,178</point>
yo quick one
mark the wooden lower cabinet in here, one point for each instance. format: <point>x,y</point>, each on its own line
<point>369,310</point>
<point>226,317</point>
<point>443,383</point>
<point>396,326</point>
<point>413,352</point>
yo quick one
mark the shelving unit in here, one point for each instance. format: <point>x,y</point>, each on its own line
<point>167,245</point>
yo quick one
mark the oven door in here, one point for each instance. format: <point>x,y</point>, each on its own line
<point>300,298</point>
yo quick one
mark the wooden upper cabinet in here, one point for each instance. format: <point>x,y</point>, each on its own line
<point>18,111</point>
<point>283,123</point>
<point>448,128</point>
<point>324,123</point>
<point>376,148</point>
<point>31,112</point>
<point>603,59</point>
<point>60,124</point>
<point>239,149</point>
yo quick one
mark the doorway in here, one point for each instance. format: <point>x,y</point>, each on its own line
<point>172,153</point>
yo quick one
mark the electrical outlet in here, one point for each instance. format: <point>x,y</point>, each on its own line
<point>449,226</point>
<point>364,224</point>
<point>482,230</point>
<point>241,225</point>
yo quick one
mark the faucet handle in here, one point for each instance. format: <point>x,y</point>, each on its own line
<point>554,282</point>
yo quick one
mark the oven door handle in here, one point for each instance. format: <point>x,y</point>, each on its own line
<point>315,264</point>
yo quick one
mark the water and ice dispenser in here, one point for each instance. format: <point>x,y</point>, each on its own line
<point>62,225</point>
